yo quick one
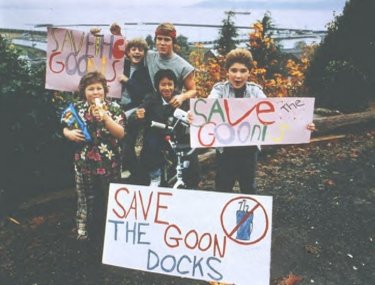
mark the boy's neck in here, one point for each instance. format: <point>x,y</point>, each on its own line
<point>240,92</point>
<point>166,56</point>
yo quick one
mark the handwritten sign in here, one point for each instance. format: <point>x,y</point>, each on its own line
<point>250,121</point>
<point>71,54</point>
<point>201,235</point>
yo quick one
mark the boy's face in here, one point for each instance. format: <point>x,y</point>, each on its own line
<point>136,55</point>
<point>238,75</point>
<point>164,45</point>
<point>166,88</point>
<point>94,90</point>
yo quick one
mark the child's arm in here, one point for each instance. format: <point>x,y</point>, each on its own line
<point>114,128</point>
<point>115,29</point>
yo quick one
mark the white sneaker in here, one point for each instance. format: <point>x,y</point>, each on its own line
<point>155,177</point>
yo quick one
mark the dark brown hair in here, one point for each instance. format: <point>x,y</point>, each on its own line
<point>164,73</point>
<point>91,78</point>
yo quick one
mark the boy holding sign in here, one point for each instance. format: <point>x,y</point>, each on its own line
<point>237,162</point>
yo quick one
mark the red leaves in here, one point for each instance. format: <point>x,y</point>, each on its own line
<point>291,279</point>
<point>37,221</point>
<point>329,183</point>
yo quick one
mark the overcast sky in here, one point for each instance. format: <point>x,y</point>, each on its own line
<point>297,14</point>
<point>129,3</point>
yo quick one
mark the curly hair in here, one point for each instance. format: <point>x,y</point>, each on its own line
<point>239,55</point>
<point>91,78</point>
<point>136,42</point>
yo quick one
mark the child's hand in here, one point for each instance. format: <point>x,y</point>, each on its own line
<point>95,31</point>
<point>97,112</point>
<point>311,127</point>
<point>74,135</point>
<point>189,117</point>
<point>115,29</point>
<point>122,78</point>
<point>140,113</point>
<point>176,101</point>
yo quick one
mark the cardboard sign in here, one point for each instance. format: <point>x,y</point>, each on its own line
<point>201,235</point>
<point>250,121</point>
<point>71,54</point>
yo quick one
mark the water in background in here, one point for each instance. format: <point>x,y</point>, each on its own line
<point>26,19</point>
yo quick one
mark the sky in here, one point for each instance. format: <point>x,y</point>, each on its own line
<point>296,14</point>
<point>156,3</point>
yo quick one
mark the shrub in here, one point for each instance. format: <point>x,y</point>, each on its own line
<point>33,154</point>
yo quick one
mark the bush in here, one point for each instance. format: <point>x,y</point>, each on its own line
<point>349,49</point>
<point>34,157</point>
<point>346,88</point>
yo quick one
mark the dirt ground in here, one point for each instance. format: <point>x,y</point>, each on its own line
<point>323,224</point>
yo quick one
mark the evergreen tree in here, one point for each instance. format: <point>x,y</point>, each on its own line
<point>33,155</point>
<point>266,52</point>
<point>227,34</point>
<point>342,71</point>
<point>184,48</point>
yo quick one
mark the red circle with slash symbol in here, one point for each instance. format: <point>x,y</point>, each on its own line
<point>256,205</point>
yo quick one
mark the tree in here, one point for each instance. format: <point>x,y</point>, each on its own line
<point>342,71</point>
<point>227,34</point>
<point>184,48</point>
<point>280,74</point>
<point>33,156</point>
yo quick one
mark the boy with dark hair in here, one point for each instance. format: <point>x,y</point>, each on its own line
<point>159,108</point>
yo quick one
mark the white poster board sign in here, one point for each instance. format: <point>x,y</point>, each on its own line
<point>193,234</point>
<point>71,54</point>
<point>250,121</point>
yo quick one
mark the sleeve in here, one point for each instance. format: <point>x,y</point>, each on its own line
<point>117,114</point>
<point>138,86</point>
<point>187,70</point>
<point>217,91</point>
<point>259,93</point>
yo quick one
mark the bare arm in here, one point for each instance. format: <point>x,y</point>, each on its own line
<point>114,128</point>
<point>191,91</point>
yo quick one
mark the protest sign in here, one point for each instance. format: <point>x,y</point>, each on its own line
<point>71,54</point>
<point>201,235</point>
<point>250,121</point>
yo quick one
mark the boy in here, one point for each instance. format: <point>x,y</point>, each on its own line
<point>96,162</point>
<point>136,85</point>
<point>159,108</point>
<point>237,162</point>
<point>166,58</point>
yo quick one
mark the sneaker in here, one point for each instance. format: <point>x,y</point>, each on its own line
<point>155,182</point>
<point>125,174</point>
<point>83,237</point>
<point>155,177</point>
